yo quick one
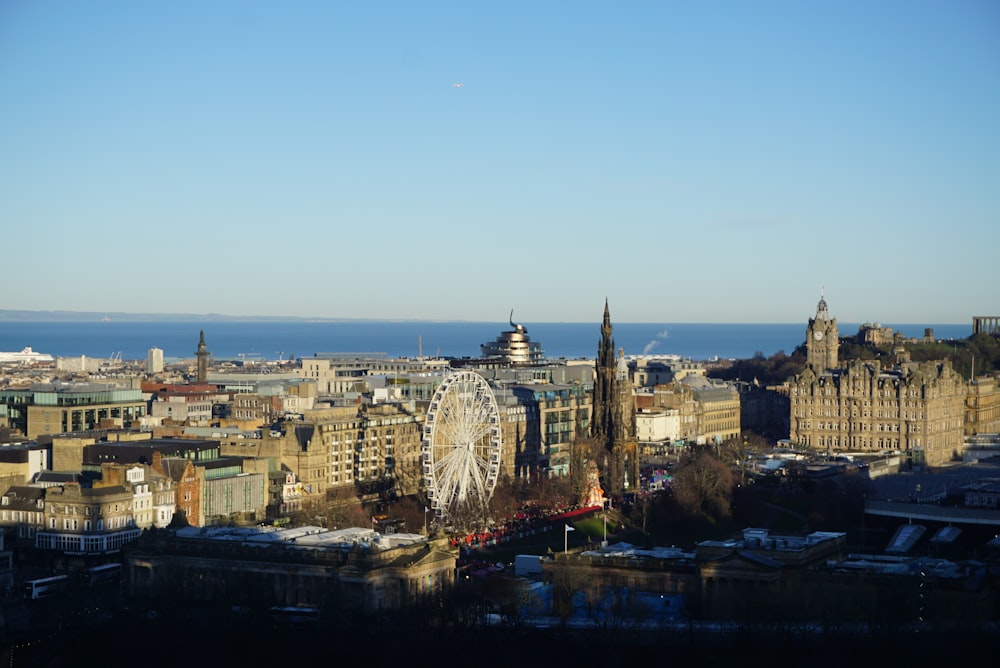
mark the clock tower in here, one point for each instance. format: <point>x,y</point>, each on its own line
<point>822,339</point>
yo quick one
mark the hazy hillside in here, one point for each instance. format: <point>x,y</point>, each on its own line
<point>7,315</point>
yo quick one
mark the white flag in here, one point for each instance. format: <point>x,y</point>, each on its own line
<point>569,528</point>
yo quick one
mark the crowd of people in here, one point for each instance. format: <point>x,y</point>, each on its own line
<point>530,520</point>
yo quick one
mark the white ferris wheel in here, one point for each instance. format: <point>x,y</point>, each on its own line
<point>461,446</point>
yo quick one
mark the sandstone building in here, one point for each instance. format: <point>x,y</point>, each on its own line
<point>336,572</point>
<point>865,406</point>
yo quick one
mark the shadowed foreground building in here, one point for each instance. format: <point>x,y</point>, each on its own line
<point>766,578</point>
<point>349,569</point>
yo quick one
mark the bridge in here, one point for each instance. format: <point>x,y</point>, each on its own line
<point>933,513</point>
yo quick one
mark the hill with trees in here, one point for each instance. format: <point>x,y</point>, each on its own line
<point>976,355</point>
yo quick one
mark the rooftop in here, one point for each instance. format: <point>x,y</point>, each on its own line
<point>306,536</point>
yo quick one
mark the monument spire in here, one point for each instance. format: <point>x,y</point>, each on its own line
<point>202,357</point>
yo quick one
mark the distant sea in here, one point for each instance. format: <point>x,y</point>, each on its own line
<point>273,340</point>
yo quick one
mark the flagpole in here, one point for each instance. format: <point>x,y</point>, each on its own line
<point>567,528</point>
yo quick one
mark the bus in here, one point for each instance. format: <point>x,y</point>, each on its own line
<point>105,574</point>
<point>46,587</point>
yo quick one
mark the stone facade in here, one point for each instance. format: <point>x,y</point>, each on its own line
<point>23,460</point>
<point>336,572</point>
<point>822,339</point>
<point>23,509</point>
<point>153,499</point>
<point>202,356</point>
<point>658,425</point>
<point>982,407</point>
<point>184,407</point>
<point>186,485</point>
<point>375,448</point>
<point>79,520</point>
<point>680,398</point>
<point>717,409</point>
<point>650,371</point>
<point>861,406</point>
<point>613,424</point>
<point>254,410</point>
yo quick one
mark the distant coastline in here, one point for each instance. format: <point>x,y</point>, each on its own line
<point>238,338</point>
<point>10,315</point>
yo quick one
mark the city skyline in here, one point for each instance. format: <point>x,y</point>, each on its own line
<point>722,163</point>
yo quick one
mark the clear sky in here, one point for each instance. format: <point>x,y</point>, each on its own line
<point>710,161</point>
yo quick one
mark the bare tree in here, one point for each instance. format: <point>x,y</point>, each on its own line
<point>574,586</point>
<point>703,486</point>
<point>583,452</point>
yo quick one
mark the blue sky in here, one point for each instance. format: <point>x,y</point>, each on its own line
<point>688,161</point>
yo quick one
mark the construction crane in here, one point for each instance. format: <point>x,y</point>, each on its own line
<point>243,357</point>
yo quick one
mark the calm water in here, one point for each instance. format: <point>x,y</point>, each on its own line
<point>274,340</point>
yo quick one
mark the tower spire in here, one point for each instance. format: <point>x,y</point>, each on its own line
<point>613,424</point>
<point>822,313</point>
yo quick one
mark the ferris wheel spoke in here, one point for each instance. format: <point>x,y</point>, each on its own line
<point>448,463</point>
<point>445,434</point>
<point>455,471</point>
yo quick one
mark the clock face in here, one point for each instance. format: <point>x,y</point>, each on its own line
<point>818,334</point>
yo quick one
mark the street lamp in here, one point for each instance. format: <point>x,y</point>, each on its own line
<point>605,542</point>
